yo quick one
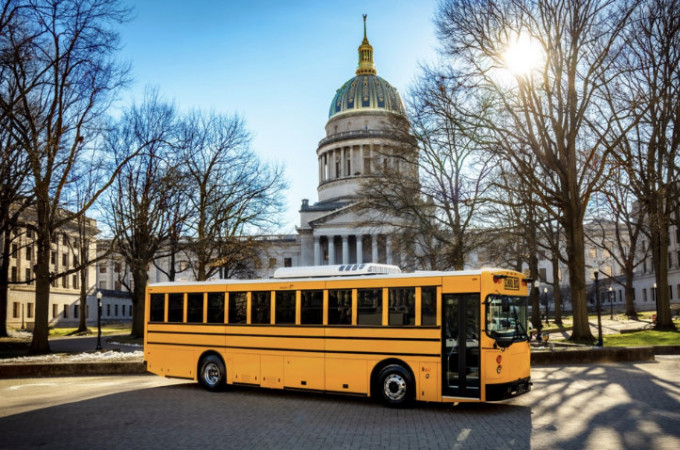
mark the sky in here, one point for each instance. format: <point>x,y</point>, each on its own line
<point>277,64</point>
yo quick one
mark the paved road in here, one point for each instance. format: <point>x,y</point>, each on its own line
<point>613,406</point>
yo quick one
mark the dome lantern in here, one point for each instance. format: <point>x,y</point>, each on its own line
<point>366,66</point>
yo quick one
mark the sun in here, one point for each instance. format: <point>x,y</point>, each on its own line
<point>523,55</point>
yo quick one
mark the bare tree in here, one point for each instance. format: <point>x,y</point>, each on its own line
<point>551,112</point>
<point>651,89</point>
<point>436,183</point>
<point>140,206</point>
<point>230,191</point>
<point>65,78</point>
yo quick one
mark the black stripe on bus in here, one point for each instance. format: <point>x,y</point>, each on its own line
<point>195,333</point>
<point>267,349</point>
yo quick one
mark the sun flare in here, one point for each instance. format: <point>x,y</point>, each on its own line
<point>523,55</point>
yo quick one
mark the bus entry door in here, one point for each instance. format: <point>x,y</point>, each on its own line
<point>461,345</point>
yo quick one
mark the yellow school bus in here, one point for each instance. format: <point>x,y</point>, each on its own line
<point>364,329</point>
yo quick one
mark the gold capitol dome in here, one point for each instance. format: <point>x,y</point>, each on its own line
<point>366,91</point>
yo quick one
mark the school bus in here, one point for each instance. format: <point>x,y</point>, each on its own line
<point>364,329</point>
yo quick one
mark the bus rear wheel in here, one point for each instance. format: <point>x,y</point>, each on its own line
<point>212,373</point>
<point>396,386</point>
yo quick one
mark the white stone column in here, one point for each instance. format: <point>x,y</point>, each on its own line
<point>331,250</point>
<point>374,248</point>
<point>317,250</point>
<point>360,249</point>
<point>345,249</point>
<point>388,250</point>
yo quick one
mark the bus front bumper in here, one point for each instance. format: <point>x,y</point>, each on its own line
<point>503,391</point>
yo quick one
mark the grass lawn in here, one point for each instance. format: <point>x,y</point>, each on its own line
<point>107,330</point>
<point>642,338</point>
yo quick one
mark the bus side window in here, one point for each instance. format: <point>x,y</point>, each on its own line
<point>261,307</point>
<point>285,307</point>
<point>176,308</point>
<point>428,299</point>
<point>238,303</point>
<point>369,307</point>
<point>195,307</point>
<point>157,313</point>
<point>216,307</point>
<point>340,307</point>
<point>402,309</point>
<point>311,308</point>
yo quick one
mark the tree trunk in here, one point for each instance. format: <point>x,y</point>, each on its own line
<point>40,343</point>
<point>4,282</point>
<point>557,293</point>
<point>659,240</point>
<point>629,291</point>
<point>141,278</point>
<point>576,263</point>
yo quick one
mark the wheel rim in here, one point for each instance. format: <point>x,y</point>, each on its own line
<point>211,374</point>
<point>394,387</point>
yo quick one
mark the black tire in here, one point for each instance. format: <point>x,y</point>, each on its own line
<point>395,386</point>
<point>212,374</point>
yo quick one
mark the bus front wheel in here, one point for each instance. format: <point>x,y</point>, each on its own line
<point>212,373</point>
<point>396,386</point>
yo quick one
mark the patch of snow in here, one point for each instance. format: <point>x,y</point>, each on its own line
<point>22,334</point>
<point>107,356</point>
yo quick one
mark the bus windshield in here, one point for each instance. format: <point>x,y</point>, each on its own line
<point>506,319</point>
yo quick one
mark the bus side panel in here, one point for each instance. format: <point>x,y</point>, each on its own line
<point>346,375</point>
<point>428,385</point>
<point>272,371</point>
<point>171,361</point>
<point>304,372</point>
<point>246,368</point>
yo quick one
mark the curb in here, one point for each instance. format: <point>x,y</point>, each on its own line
<point>71,369</point>
<point>600,355</point>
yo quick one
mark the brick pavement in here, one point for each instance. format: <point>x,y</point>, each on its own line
<point>586,406</point>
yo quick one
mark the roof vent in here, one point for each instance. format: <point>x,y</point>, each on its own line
<point>335,271</point>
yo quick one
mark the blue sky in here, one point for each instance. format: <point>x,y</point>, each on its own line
<point>275,63</point>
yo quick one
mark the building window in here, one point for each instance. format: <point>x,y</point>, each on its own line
<point>605,253</point>
<point>29,252</point>
<point>29,234</point>
<point>65,311</point>
<point>64,282</point>
<point>14,275</point>
<point>65,239</point>
<point>644,295</point>
<point>108,310</point>
<point>102,268</point>
<point>75,281</point>
<point>55,310</point>
<point>116,267</point>
<point>670,292</point>
<point>287,262</point>
<point>15,310</point>
<point>53,258</point>
<point>272,263</point>
<point>76,311</point>
<point>29,310</point>
<point>15,249</point>
<point>27,274</point>
<point>115,309</point>
<point>102,284</point>
<point>542,274</point>
<point>64,260</point>
<point>118,285</point>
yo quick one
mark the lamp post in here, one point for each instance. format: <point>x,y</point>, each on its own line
<point>611,303</point>
<point>547,306</point>
<point>99,320</point>
<point>656,302</point>
<point>599,313</point>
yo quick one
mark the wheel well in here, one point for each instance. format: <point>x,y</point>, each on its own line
<point>384,363</point>
<point>205,354</point>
